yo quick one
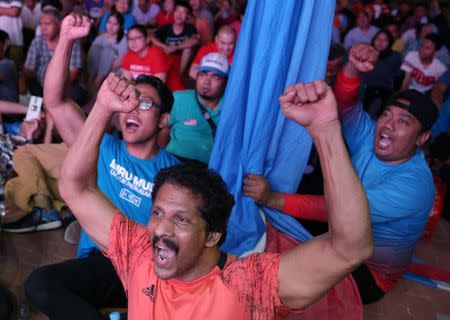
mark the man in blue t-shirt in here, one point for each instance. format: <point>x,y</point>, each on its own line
<point>126,169</point>
<point>387,158</point>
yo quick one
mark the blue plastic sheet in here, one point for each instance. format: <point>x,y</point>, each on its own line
<point>280,44</point>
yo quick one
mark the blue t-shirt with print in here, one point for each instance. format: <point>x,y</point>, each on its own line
<point>400,195</point>
<point>127,181</point>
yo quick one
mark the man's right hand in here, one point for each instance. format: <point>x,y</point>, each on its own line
<point>118,94</point>
<point>75,26</point>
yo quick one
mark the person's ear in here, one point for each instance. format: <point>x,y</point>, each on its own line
<point>422,138</point>
<point>164,120</point>
<point>212,239</point>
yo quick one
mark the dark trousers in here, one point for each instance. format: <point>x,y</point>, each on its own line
<point>76,289</point>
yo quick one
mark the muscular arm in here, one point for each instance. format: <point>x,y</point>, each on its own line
<point>78,182</point>
<point>309,270</point>
<point>66,114</point>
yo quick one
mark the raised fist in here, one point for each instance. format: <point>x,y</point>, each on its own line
<point>75,26</point>
<point>118,94</point>
<point>363,57</point>
<point>309,104</point>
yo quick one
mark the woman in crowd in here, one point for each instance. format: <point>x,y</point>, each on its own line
<point>107,51</point>
<point>380,82</point>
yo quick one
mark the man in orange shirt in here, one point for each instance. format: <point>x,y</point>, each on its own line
<point>173,268</point>
<point>224,43</point>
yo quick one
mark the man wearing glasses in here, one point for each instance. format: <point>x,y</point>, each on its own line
<point>126,169</point>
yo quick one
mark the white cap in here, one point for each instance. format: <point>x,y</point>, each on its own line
<point>215,62</point>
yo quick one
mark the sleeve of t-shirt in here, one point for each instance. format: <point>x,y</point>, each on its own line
<point>191,30</point>
<point>160,61</point>
<point>126,245</point>
<point>304,206</point>
<point>255,280</point>
<point>407,63</point>
<point>348,40</point>
<point>31,60</point>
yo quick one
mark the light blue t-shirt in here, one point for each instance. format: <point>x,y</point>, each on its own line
<point>129,21</point>
<point>443,120</point>
<point>190,134</point>
<point>127,181</point>
<point>400,195</point>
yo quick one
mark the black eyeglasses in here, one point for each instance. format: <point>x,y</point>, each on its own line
<point>147,103</point>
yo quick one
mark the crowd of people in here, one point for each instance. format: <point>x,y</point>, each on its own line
<point>132,96</point>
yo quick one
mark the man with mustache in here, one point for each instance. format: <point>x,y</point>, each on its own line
<point>126,170</point>
<point>173,268</point>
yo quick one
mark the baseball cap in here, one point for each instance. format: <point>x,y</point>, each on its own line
<point>215,62</point>
<point>419,105</point>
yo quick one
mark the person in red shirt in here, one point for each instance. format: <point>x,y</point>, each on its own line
<point>143,58</point>
<point>165,16</point>
<point>224,43</point>
<point>173,267</point>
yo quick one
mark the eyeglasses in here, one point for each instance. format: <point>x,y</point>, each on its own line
<point>135,38</point>
<point>147,103</point>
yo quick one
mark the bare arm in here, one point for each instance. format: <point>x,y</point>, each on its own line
<point>67,116</point>
<point>12,107</point>
<point>11,12</point>
<point>78,182</point>
<point>406,81</point>
<point>309,270</point>
<point>438,92</point>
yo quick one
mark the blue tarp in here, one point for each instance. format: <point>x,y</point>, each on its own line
<point>281,43</point>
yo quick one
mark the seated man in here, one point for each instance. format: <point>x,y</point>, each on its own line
<point>126,170</point>
<point>178,41</point>
<point>41,50</point>
<point>224,43</point>
<point>422,69</point>
<point>195,113</point>
<point>173,268</point>
<point>393,171</point>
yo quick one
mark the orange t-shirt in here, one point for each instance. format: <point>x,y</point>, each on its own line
<point>155,61</point>
<point>242,289</point>
<point>207,49</point>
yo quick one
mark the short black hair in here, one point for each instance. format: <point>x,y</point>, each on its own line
<point>164,92</point>
<point>140,28</point>
<point>52,3</point>
<point>434,37</point>
<point>216,201</point>
<point>185,4</point>
<point>120,20</point>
